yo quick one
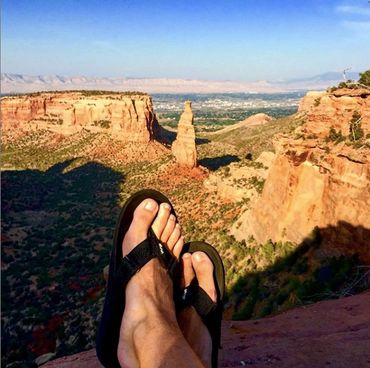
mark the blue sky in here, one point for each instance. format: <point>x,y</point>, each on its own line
<point>202,39</point>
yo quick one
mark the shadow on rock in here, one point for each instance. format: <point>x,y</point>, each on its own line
<point>214,163</point>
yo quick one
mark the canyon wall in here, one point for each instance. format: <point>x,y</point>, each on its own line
<point>127,117</point>
<point>324,110</point>
<point>315,181</point>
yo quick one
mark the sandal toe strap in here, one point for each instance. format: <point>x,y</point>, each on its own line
<point>194,295</point>
<point>148,249</point>
<point>203,304</point>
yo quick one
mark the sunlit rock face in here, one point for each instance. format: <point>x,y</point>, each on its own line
<point>325,110</point>
<point>127,117</point>
<point>183,148</point>
<point>315,182</point>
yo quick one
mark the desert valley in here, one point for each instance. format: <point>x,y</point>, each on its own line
<point>285,199</point>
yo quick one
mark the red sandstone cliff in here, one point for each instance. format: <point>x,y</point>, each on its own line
<point>127,117</point>
<point>317,182</point>
<point>325,110</point>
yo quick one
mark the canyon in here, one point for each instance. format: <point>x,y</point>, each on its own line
<point>257,190</point>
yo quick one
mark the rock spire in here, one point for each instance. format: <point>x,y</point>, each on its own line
<point>184,148</point>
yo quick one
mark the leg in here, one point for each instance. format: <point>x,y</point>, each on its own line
<point>196,333</point>
<point>150,335</point>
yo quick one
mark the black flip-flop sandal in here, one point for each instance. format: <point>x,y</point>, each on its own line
<point>121,269</point>
<point>210,312</point>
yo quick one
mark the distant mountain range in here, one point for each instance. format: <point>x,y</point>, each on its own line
<point>19,83</point>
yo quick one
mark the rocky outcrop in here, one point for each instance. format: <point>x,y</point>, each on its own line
<point>314,182</point>
<point>127,117</point>
<point>184,148</point>
<point>332,333</point>
<point>324,110</point>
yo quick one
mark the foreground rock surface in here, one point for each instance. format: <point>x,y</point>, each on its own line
<point>128,117</point>
<point>183,148</point>
<point>333,333</point>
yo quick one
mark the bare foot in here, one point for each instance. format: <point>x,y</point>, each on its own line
<point>196,333</point>
<point>149,321</point>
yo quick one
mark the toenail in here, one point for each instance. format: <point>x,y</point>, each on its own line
<point>186,256</point>
<point>166,206</point>
<point>150,205</point>
<point>199,257</point>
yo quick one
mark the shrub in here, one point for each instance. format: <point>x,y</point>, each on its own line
<point>365,78</point>
<point>249,156</point>
<point>335,136</point>
<point>342,85</point>
<point>355,130</point>
<point>257,183</point>
<point>266,309</point>
<point>102,123</point>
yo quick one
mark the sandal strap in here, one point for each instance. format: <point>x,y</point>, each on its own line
<point>194,295</point>
<point>203,304</point>
<point>148,249</point>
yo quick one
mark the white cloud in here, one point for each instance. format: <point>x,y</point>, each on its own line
<point>349,9</point>
<point>359,26</point>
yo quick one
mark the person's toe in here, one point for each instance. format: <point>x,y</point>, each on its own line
<point>138,231</point>
<point>203,268</point>
<point>174,237</point>
<point>177,249</point>
<point>188,269</point>
<point>161,220</point>
<point>169,228</point>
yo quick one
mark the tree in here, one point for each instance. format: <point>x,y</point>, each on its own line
<point>365,78</point>
<point>355,130</point>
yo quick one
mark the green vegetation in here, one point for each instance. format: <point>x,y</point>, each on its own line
<point>335,136</point>
<point>257,183</point>
<point>102,123</point>
<point>88,93</point>
<point>206,121</point>
<point>364,81</point>
<point>355,130</point>
<point>255,139</point>
<point>348,84</point>
<point>355,134</point>
<point>365,78</point>
<point>85,93</point>
<point>288,275</point>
